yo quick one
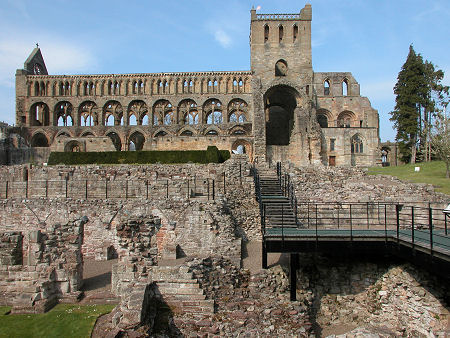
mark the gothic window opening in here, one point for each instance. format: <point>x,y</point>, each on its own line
<point>357,145</point>
<point>88,114</point>
<point>332,144</point>
<point>240,85</point>
<point>326,87</point>
<point>168,118</point>
<point>110,120</point>
<point>345,87</point>
<point>266,33</point>
<point>145,120</point>
<point>141,87</point>
<point>216,86</point>
<point>39,114</point>
<point>280,33</point>
<point>295,33</point>
<point>135,87</point>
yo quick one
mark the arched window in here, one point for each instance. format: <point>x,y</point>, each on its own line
<point>326,87</point>
<point>280,33</point>
<point>281,68</point>
<point>345,87</point>
<point>345,119</point>
<point>187,133</point>
<point>357,146</point>
<point>295,33</point>
<point>322,120</point>
<point>266,33</point>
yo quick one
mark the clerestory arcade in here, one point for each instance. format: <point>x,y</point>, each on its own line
<point>279,110</point>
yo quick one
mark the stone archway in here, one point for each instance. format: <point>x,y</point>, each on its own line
<point>279,105</point>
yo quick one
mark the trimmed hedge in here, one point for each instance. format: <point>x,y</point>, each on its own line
<point>211,155</point>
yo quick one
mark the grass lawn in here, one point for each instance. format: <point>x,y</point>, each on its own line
<point>4,310</point>
<point>64,320</point>
<point>430,172</point>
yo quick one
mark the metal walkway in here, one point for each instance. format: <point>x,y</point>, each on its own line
<point>414,232</point>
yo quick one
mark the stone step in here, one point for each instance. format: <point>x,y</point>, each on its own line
<point>181,297</point>
<point>181,280</point>
<point>179,290</point>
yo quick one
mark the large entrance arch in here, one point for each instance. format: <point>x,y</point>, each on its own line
<point>279,104</point>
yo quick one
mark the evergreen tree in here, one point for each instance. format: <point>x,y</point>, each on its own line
<point>418,91</point>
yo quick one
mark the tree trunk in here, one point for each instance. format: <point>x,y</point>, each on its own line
<point>413,153</point>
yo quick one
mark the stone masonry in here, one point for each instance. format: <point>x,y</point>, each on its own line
<point>278,110</point>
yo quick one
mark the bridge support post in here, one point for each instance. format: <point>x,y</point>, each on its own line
<point>293,275</point>
<point>264,255</point>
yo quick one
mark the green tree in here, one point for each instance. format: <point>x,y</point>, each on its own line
<point>405,115</point>
<point>419,96</point>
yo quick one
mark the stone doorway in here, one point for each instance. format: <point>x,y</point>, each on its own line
<point>279,104</point>
<point>332,161</point>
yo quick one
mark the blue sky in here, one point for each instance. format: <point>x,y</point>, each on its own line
<point>369,38</point>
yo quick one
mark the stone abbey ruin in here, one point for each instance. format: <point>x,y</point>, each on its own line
<point>279,110</point>
<point>241,248</point>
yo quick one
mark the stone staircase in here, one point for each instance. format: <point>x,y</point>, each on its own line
<point>278,209</point>
<point>180,291</point>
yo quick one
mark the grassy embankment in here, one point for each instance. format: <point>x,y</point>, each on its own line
<point>64,320</point>
<point>430,172</point>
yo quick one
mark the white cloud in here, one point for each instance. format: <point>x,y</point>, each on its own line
<point>223,38</point>
<point>59,55</point>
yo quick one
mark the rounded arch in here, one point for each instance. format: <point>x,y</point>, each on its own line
<point>237,130</point>
<point>39,114</point>
<point>212,111</point>
<point>281,68</point>
<point>212,131</point>
<point>64,133</point>
<point>188,112</point>
<point>73,146</point>
<point>87,134</point>
<point>346,119</point>
<point>159,110</point>
<point>242,147</point>
<point>237,111</point>
<point>39,139</point>
<point>116,140</point>
<point>112,113</point>
<point>62,114</point>
<point>187,131</point>
<point>139,110</point>
<point>160,132</point>
<point>137,139</point>
<point>280,102</point>
<point>88,114</point>
<point>323,117</point>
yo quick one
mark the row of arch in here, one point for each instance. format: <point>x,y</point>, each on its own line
<point>162,112</point>
<point>346,119</point>
<point>141,86</point>
<point>345,89</point>
<point>281,33</point>
<point>40,139</point>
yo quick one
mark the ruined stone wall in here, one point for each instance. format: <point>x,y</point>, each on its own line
<point>33,277</point>
<point>202,224</point>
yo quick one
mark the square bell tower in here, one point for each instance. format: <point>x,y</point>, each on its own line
<point>280,45</point>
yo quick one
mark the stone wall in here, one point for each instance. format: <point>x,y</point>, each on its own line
<point>49,268</point>
<point>200,220</point>
<point>375,295</point>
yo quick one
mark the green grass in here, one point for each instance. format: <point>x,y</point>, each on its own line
<point>4,310</point>
<point>430,172</point>
<point>64,320</point>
